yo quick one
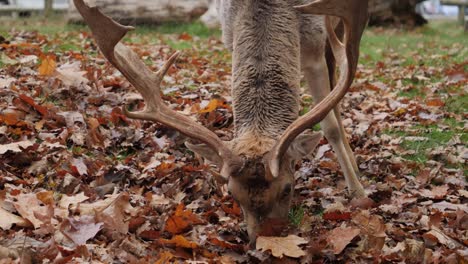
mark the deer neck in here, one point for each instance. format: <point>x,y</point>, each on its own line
<point>266,71</point>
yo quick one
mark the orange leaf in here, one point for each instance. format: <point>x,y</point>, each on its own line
<point>185,36</point>
<point>47,197</point>
<point>165,257</point>
<point>181,220</point>
<point>41,109</point>
<point>179,241</point>
<point>48,65</point>
<point>215,103</point>
<point>435,102</point>
<point>9,119</point>
<point>234,210</point>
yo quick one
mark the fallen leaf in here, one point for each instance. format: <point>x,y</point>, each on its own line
<point>340,237</point>
<point>7,220</point>
<point>27,205</point>
<point>48,65</point>
<point>113,216</point>
<point>442,206</point>
<point>437,192</point>
<point>179,241</point>
<point>15,147</point>
<point>5,82</point>
<point>181,220</point>
<point>165,257</point>
<point>71,75</point>
<point>212,105</point>
<point>282,246</point>
<point>442,238</point>
<point>81,229</point>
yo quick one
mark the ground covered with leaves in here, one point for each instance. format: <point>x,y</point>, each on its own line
<point>81,183</point>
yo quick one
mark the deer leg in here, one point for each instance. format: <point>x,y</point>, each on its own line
<point>316,73</point>
<point>337,111</point>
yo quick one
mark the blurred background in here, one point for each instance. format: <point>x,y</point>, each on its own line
<point>408,13</point>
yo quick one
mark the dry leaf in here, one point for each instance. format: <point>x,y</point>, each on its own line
<point>71,75</point>
<point>340,237</point>
<point>181,220</point>
<point>48,65</point>
<point>437,192</point>
<point>282,246</point>
<point>212,105</point>
<point>15,147</point>
<point>437,234</point>
<point>8,219</point>
<point>27,205</point>
<point>113,216</point>
<point>81,229</point>
<point>179,241</point>
<point>165,257</point>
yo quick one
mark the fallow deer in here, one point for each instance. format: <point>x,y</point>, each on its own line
<point>271,41</point>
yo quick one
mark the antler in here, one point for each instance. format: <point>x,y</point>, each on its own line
<point>108,34</point>
<point>354,15</point>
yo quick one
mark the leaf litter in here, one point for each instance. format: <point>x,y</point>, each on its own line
<point>79,180</point>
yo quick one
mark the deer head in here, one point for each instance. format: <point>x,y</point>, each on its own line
<point>259,174</point>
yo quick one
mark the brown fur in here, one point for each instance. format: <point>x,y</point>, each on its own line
<point>270,42</point>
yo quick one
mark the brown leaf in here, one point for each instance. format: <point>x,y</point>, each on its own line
<point>113,216</point>
<point>437,234</point>
<point>181,220</point>
<point>340,237</point>
<point>437,192</point>
<point>15,147</point>
<point>282,246</point>
<point>27,205</point>
<point>48,65</point>
<point>7,220</point>
<point>165,257</point>
<point>179,241</point>
<point>335,216</point>
<point>71,75</point>
<point>435,102</point>
<point>30,101</point>
<point>46,197</point>
<point>80,230</point>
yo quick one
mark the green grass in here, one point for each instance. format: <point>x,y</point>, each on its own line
<point>435,137</point>
<point>457,104</point>
<point>193,29</point>
<point>296,215</point>
<point>375,46</point>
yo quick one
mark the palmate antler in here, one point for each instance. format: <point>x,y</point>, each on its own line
<point>354,14</point>
<point>108,34</point>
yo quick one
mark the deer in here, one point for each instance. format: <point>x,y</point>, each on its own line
<point>272,42</point>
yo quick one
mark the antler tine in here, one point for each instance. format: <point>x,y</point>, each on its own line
<point>108,34</point>
<point>354,14</point>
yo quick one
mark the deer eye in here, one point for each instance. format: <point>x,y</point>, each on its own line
<point>287,190</point>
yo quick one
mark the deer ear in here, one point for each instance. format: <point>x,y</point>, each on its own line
<point>205,152</point>
<point>303,145</point>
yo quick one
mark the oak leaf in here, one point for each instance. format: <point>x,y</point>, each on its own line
<point>27,205</point>
<point>81,229</point>
<point>340,237</point>
<point>282,246</point>
<point>8,219</point>
<point>15,147</point>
